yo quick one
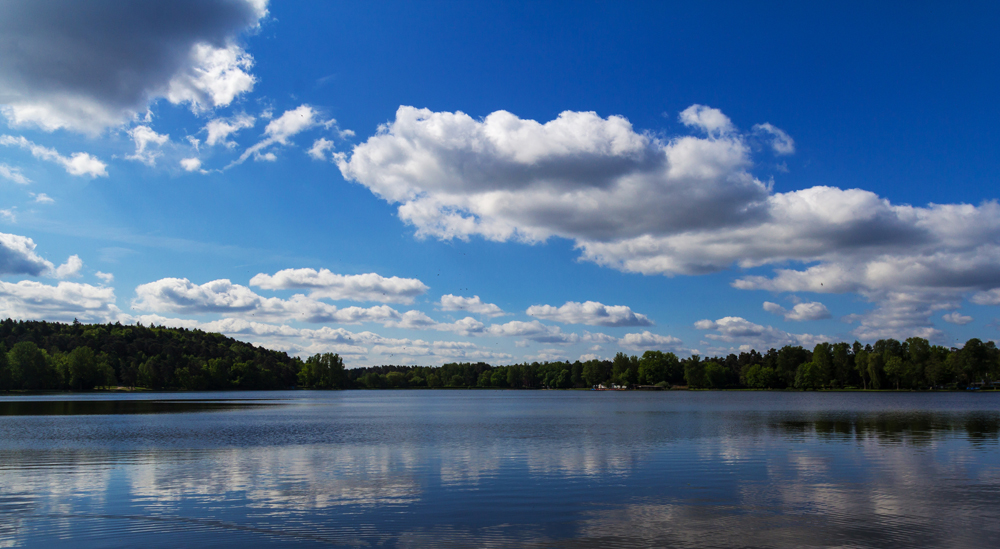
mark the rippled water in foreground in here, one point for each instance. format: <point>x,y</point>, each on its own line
<point>501,469</point>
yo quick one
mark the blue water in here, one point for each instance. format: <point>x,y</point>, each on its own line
<point>501,469</point>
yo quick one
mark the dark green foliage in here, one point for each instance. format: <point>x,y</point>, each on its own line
<point>624,370</point>
<point>82,372</point>
<point>396,380</point>
<point>761,377</point>
<point>544,375</point>
<point>656,367</point>
<point>596,372</point>
<point>323,371</point>
<point>843,373</point>
<point>810,375</point>
<point>694,373</point>
<point>789,359</point>
<point>30,368</point>
<point>6,375</point>
<point>716,375</point>
<point>82,357</point>
<point>498,378</point>
<point>979,361</point>
<point>822,357</point>
<point>861,366</point>
<point>937,371</point>
<point>895,369</point>
<point>876,369</point>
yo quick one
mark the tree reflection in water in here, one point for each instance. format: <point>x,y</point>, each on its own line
<point>503,470</point>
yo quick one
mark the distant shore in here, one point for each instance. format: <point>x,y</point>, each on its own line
<point>52,356</point>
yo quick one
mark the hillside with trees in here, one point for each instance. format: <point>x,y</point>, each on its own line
<point>38,355</point>
<point>54,356</point>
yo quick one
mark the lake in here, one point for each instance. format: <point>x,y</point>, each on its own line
<point>500,469</point>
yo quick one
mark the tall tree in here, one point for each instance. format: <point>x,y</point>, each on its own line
<point>843,364</point>
<point>84,374</point>
<point>6,375</point>
<point>876,364</point>
<point>822,357</point>
<point>694,372</point>
<point>861,365</point>
<point>28,366</point>
<point>895,369</point>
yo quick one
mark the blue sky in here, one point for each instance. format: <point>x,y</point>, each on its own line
<point>421,183</point>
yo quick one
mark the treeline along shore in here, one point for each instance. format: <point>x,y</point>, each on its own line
<point>45,356</point>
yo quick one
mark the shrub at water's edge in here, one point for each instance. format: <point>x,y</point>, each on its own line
<point>38,356</point>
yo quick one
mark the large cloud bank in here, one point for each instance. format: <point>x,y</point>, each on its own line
<point>579,176</point>
<point>680,205</point>
<point>89,65</point>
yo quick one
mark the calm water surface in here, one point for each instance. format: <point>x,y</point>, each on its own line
<point>501,469</point>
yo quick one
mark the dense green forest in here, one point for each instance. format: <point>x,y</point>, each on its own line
<point>52,356</point>
<point>888,364</point>
<point>37,355</point>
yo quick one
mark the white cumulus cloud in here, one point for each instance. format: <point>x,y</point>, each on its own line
<point>144,136</point>
<point>191,164</point>
<point>70,269</point>
<point>675,205</point>
<point>417,320</point>
<point>801,311</point>
<point>18,257</point>
<point>903,314</point>
<point>220,129</point>
<point>319,148</point>
<point>647,340</point>
<point>991,297</point>
<point>745,335</point>
<point>580,176</point>
<point>591,313</point>
<point>598,338</point>
<point>956,317</point>
<point>214,77</point>
<point>180,295</point>
<point>33,300</point>
<point>326,284</point>
<point>534,330</point>
<point>707,119</point>
<point>472,304</point>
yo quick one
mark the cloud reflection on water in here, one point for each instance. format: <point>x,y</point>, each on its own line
<point>723,479</point>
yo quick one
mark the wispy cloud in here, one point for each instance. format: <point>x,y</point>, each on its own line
<point>79,163</point>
